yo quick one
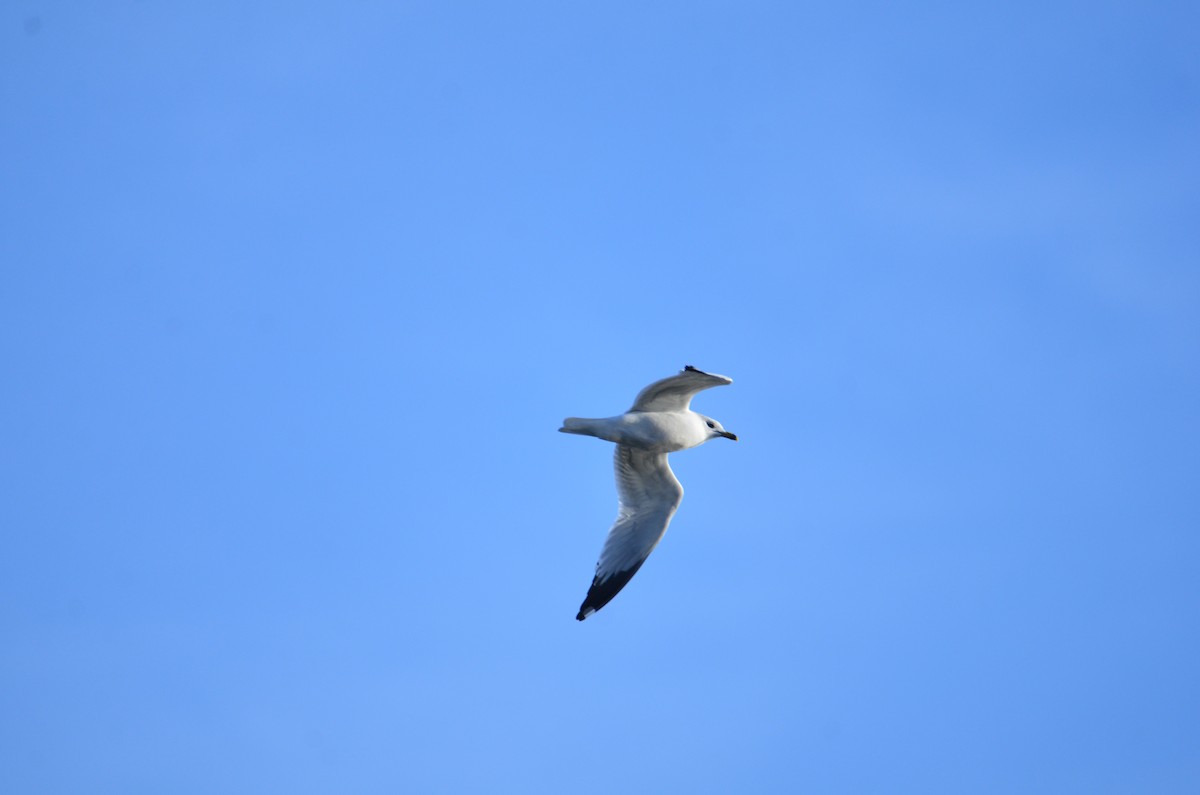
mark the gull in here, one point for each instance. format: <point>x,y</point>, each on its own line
<point>660,422</point>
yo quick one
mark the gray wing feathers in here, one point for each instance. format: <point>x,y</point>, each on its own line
<point>675,393</point>
<point>649,495</point>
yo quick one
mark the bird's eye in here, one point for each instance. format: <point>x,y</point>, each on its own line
<point>711,425</point>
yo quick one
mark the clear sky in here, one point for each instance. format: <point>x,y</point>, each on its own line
<point>293,297</point>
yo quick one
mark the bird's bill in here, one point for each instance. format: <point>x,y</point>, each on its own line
<point>729,435</point>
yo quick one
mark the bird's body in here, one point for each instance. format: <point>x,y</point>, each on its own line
<point>660,422</point>
<point>653,431</point>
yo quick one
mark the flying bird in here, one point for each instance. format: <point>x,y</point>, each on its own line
<point>660,422</point>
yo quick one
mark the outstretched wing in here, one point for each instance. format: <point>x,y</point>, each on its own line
<point>649,494</point>
<point>675,393</point>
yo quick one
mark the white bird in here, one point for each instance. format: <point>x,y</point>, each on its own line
<point>660,422</point>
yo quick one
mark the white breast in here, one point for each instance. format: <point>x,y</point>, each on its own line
<point>662,431</point>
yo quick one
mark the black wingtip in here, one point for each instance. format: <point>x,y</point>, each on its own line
<point>688,367</point>
<point>603,591</point>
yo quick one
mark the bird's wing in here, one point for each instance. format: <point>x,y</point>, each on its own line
<point>649,494</point>
<point>675,393</point>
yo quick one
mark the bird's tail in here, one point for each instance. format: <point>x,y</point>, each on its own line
<point>579,425</point>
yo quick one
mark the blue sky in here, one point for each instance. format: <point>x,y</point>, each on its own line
<point>293,297</point>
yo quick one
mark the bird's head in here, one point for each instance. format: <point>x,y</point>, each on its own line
<point>715,429</point>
